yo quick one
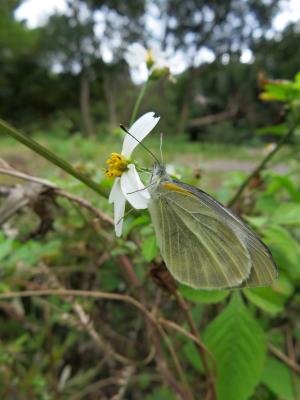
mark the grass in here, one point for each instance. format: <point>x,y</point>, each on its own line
<point>213,161</point>
<point>79,148</point>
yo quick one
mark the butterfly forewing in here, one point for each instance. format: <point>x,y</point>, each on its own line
<point>199,249</point>
<point>203,244</point>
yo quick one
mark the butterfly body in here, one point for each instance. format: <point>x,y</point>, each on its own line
<point>203,244</point>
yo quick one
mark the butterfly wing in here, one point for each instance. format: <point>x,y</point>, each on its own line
<point>203,244</point>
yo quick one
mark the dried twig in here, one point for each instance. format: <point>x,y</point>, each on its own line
<point>84,203</point>
<point>20,175</point>
<point>283,357</point>
<point>203,351</point>
<point>292,356</point>
<point>262,164</point>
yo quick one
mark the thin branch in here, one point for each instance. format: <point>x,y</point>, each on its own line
<point>203,351</point>
<point>20,175</point>
<point>124,382</point>
<point>283,357</point>
<point>128,268</point>
<point>292,356</point>
<point>189,395</point>
<point>84,203</point>
<point>81,293</point>
<point>172,325</point>
<point>262,164</point>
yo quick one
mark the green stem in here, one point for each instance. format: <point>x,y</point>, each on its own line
<point>262,164</point>
<point>50,156</point>
<point>138,102</point>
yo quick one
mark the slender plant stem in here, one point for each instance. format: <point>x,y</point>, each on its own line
<point>138,102</point>
<point>262,164</point>
<point>52,157</point>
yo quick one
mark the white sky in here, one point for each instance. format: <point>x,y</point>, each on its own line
<point>36,12</point>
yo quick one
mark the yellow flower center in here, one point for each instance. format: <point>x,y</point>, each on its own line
<point>117,164</point>
<point>150,58</point>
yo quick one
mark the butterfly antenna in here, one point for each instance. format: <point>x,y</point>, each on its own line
<point>160,148</point>
<point>146,148</point>
<point>140,190</point>
<point>125,215</point>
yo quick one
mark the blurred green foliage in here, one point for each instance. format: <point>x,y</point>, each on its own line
<point>71,347</point>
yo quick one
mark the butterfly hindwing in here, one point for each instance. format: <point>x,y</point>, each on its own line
<point>203,244</point>
<point>263,268</point>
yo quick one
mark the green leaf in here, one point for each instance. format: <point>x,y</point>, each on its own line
<point>6,248</point>
<point>131,223</point>
<point>278,378</point>
<point>256,221</point>
<point>149,248</point>
<point>279,130</point>
<point>161,394</point>
<point>32,251</point>
<point>266,299</point>
<point>287,214</point>
<point>266,203</point>
<point>271,299</point>
<point>192,355</point>
<point>285,250</point>
<point>239,345</point>
<point>203,296</point>
<point>280,91</point>
<point>280,181</point>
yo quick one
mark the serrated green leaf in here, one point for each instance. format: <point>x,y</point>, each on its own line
<point>149,248</point>
<point>277,377</point>
<point>266,299</point>
<point>203,296</point>
<point>271,299</point>
<point>239,346</point>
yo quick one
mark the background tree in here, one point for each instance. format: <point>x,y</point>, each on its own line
<point>221,27</point>
<point>77,40</point>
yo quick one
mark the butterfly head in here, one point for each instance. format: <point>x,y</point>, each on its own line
<point>159,175</point>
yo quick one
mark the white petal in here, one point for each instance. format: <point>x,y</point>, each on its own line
<point>135,55</point>
<point>119,209</point>
<point>131,182</point>
<point>115,191</point>
<point>116,196</point>
<point>159,57</point>
<point>140,129</point>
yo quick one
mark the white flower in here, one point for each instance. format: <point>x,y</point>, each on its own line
<point>136,55</point>
<point>128,185</point>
